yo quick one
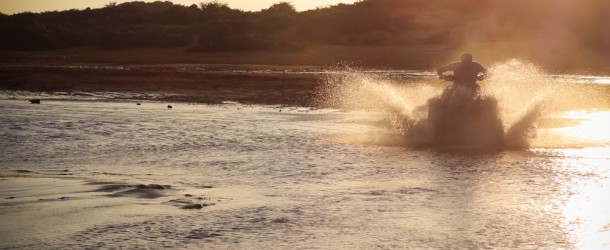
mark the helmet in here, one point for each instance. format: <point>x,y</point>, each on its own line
<point>467,57</point>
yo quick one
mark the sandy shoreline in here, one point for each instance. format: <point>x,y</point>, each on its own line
<point>29,186</point>
<point>39,208</point>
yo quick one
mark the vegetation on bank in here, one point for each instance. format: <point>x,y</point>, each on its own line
<point>551,32</point>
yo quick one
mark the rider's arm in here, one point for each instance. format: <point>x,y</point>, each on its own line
<point>483,72</point>
<point>447,67</point>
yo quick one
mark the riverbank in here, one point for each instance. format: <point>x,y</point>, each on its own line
<point>396,57</point>
<point>253,77</point>
<point>169,83</point>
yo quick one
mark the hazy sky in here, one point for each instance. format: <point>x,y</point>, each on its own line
<point>16,6</point>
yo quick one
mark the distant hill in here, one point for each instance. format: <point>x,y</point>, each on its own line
<point>567,33</point>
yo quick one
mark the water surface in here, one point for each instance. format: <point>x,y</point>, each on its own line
<point>295,178</point>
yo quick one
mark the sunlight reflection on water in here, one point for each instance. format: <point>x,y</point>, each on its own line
<point>602,81</point>
<point>586,203</point>
<point>585,213</point>
<point>586,79</point>
<point>593,126</point>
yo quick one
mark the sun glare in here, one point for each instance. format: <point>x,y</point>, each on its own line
<point>584,210</point>
<point>592,126</point>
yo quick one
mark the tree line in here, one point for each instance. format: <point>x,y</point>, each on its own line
<point>214,26</point>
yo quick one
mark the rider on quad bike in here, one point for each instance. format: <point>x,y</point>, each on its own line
<point>461,115</point>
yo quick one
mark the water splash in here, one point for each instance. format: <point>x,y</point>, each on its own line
<point>506,115</point>
<point>354,90</point>
<point>525,128</point>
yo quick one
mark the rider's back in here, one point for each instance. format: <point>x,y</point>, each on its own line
<point>465,72</point>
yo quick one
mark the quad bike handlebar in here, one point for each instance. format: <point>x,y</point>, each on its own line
<point>451,78</point>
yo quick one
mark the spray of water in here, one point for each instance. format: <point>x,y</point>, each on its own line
<point>521,89</point>
<point>353,90</point>
<point>506,115</point>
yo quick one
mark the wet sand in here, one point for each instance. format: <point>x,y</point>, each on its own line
<point>43,207</point>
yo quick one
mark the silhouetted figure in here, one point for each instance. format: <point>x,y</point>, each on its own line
<point>465,73</point>
<point>462,116</point>
<point>169,106</point>
<point>35,101</point>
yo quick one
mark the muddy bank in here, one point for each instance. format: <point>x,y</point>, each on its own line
<point>205,86</point>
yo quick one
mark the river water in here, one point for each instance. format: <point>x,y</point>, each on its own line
<point>298,178</point>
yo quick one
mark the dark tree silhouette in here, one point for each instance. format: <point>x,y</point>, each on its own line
<point>214,26</point>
